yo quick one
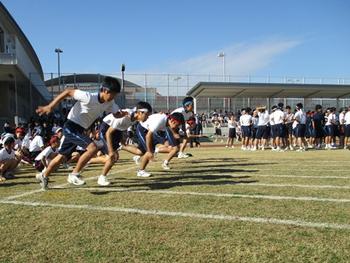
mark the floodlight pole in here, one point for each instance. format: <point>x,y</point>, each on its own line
<point>123,86</point>
<point>222,55</point>
<point>177,90</point>
<point>59,51</point>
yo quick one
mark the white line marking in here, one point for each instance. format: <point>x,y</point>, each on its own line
<point>269,197</point>
<point>282,176</point>
<point>260,220</point>
<point>298,185</point>
<point>61,185</point>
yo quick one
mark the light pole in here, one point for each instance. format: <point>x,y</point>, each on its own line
<point>123,85</point>
<point>222,55</point>
<point>177,90</point>
<point>58,51</point>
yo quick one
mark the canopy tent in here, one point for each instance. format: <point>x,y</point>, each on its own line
<point>268,90</point>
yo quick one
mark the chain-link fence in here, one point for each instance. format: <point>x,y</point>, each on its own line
<point>166,91</point>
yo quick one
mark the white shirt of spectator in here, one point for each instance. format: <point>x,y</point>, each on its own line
<point>187,115</point>
<point>272,122</point>
<point>300,118</point>
<point>231,124</point>
<point>288,117</point>
<point>347,118</point>
<point>264,118</point>
<point>46,153</point>
<point>4,155</point>
<point>330,119</point>
<point>121,124</point>
<point>278,116</point>
<point>155,122</point>
<point>26,141</point>
<point>88,108</point>
<point>18,144</point>
<point>245,120</point>
<point>341,118</point>
<point>36,144</point>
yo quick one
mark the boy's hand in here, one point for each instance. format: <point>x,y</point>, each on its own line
<point>43,110</point>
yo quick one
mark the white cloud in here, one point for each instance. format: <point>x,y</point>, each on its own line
<point>240,59</point>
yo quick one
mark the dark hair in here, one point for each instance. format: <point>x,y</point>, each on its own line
<point>318,107</point>
<point>280,105</point>
<point>299,105</point>
<point>177,116</point>
<point>111,84</point>
<point>144,105</point>
<point>288,107</point>
<point>187,100</point>
<point>273,107</point>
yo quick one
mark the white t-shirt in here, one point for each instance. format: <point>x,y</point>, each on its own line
<point>264,118</point>
<point>18,144</point>
<point>121,124</point>
<point>36,144</point>
<point>245,120</point>
<point>330,119</point>
<point>341,118</point>
<point>4,155</point>
<point>278,116</point>
<point>187,115</point>
<point>288,117</point>
<point>155,122</point>
<point>88,108</point>
<point>300,118</point>
<point>46,153</point>
<point>272,122</point>
<point>231,124</point>
<point>26,141</point>
<point>347,118</point>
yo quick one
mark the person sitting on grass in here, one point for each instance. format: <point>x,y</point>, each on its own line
<point>8,159</point>
<point>88,107</point>
<point>111,133</point>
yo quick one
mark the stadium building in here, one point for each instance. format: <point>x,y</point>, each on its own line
<point>22,85</point>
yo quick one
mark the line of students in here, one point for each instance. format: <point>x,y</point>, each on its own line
<point>284,130</point>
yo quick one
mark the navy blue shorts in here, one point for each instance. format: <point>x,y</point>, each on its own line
<point>300,130</point>
<point>277,130</point>
<point>347,130</point>
<point>246,131</point>
<point>73,136</point>
<point>330,130</point>
<point>158,138</point>
<point>261,132</point>
<point>289,128</point>
<point>318,131</point>
<point>117,137</point>
<point>232,132</point>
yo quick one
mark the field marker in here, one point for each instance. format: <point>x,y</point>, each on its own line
<point>166,192</point>
<point>259,220</point>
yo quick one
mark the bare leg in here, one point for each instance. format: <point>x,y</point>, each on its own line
<point>54,164</point>
<point>109,163</point>
<point>91,150</point>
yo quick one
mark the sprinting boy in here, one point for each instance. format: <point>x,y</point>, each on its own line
<point>86,110</point>
<point>111,133</point>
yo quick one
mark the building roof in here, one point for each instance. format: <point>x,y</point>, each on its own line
<point>22,38</point>
<point>268,90</point>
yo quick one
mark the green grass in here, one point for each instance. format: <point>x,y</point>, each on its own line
<point>61,234</point>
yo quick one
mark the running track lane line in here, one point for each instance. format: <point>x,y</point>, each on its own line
<point>269,197</point>
<point>259,220</point>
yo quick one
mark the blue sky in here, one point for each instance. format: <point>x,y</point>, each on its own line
<point>259,37</point>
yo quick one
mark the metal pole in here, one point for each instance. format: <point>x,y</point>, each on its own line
<point>177,93</point>
<point>16,99</point>
<point>145,87</point>
<point>123,88</point>
<point>167,98</point>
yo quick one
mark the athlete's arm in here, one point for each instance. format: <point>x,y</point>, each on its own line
<point>49,107</point>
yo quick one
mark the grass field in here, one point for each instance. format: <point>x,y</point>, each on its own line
<point>222,205</point>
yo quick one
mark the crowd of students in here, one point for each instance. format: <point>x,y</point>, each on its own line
<point>285,129</point>
<point>87,138</point>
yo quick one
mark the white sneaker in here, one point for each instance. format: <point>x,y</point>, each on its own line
<point>143,173</point>
<point>165,165</point>
<point>136,159</point>
<point>102,180</point>
<point>182,155</point>
<point>39,176</point>
<point>74,179</point>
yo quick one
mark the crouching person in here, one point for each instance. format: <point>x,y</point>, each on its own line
<point>8,159</point>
